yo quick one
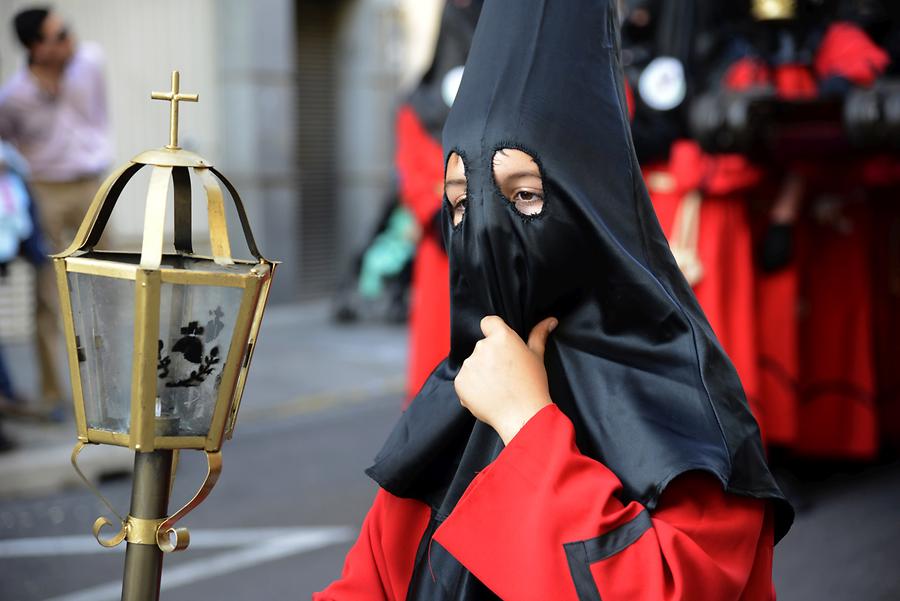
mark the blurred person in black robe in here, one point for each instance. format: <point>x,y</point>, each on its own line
<point>420,168</point>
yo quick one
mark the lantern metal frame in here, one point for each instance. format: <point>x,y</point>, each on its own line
<point>149,272</point>
<point>148,528</point>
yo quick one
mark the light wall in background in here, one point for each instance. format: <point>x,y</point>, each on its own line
<point>240,57</point>
<point>143,42</point>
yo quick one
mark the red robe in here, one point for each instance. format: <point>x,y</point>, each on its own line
<point>837,416</point>
<point>420,166</point>
<point>779,357</point>
<point>816,381</point>
<point>815,337</point>
<point>543,519</point>
<point>776,294</point>
<point>882,178</point>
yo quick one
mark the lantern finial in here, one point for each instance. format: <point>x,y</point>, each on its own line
<point>174,97</point>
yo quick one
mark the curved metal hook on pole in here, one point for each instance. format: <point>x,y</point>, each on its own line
<point>102,521</point>
<point>166,532</point>
<point>161,532</point>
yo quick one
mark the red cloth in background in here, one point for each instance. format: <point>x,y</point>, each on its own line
<point>814,398</point>
<point>420,166</point>
<point>777,298</point>
<point>794,82</point>
<point>815,315</point>
<point>791,81</point>
<point>629,99</point>
<point>847,51</point>
<point>747,73</point>
<point>837,414</point>
<point>541,497</point>
<point>813,320</point>
<point>779,356</point>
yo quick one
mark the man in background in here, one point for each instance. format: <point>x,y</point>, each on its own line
<point>54,111</point>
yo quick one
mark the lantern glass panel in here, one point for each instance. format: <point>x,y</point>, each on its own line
<point>103,316</point>
<point>196,327</point>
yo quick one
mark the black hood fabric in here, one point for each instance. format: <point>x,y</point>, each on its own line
<point>454,38</point>
<point>633,363</point>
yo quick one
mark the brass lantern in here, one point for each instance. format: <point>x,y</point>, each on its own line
<point>159,343</point>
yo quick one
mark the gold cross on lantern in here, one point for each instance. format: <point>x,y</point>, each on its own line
<point>174,97</point>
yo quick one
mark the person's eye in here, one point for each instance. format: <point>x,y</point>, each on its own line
<point>528,202</point>
<point>459,209</point>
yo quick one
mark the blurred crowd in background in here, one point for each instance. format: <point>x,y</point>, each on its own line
<point>768,132</point>
<point>768,142</point>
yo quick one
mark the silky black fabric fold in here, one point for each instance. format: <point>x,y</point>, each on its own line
<point>633,363</point>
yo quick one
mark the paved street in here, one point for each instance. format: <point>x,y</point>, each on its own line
<point>295,472</point>
<point>292,493</point>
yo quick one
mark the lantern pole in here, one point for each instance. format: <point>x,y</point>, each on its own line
<point>149,501</point>
<point>152,470</point>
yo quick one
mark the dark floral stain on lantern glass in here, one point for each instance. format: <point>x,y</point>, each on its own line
<point>189,364</point>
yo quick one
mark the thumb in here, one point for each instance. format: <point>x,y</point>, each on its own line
<point>537,340</point>
<point>491,324</point>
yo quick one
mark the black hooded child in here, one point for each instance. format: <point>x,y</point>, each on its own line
<point>648,417</point>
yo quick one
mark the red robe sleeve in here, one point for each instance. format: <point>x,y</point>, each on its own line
<point>543,522</point>
<point>379,566</point>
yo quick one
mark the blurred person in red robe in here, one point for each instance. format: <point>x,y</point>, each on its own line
<point>880,175</point>
<point>814,287</point>
<point>420,166</point>
<point>774,60</point>
<point>811,384</point>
